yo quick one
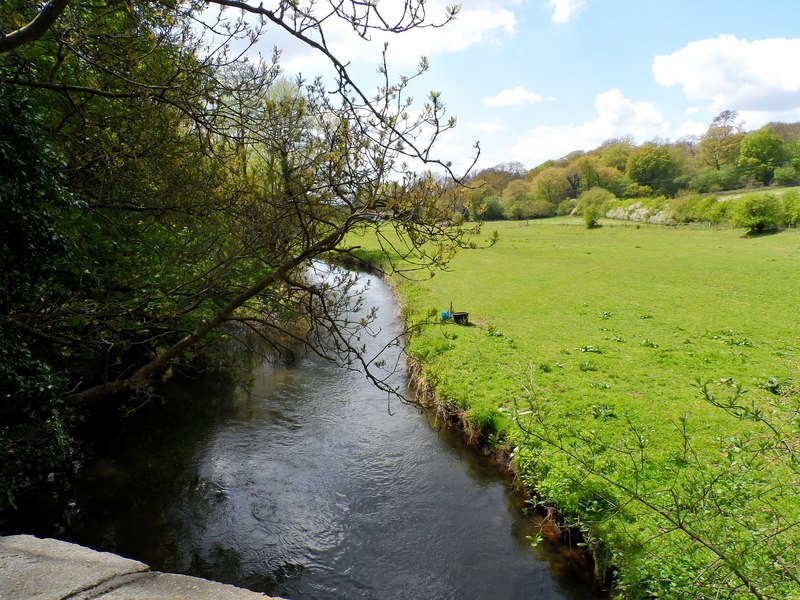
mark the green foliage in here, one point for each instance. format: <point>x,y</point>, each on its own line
<point>692,208</point>
<point>34,427</point>
<point>719,146</point>
<point>491,209</point>
<point>565,207</point>
<point>657,170</point>
<point>31,196</point>
<point>591,216</point>
<point>487,420</point>
<point>631,189</point>
<point>595,202</point>
<point>551,185</point>
<point>791,207</point>
<point>207,185</point>
<point>786,175</point>
<point>760,153</point>
<point>611,408</point>
<point>35,436</point>
<point>541,209</point>
<point>757,213</point>
<point>655,166</point>
<point>711,179</point>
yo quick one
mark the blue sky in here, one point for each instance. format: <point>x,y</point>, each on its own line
<point>535,79</point>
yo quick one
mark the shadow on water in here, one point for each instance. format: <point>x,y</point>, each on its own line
<point>306,487</point>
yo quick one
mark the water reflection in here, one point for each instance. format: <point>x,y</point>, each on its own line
<point>307,488</point>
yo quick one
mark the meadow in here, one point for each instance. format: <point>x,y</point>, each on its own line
<point>586,357</point>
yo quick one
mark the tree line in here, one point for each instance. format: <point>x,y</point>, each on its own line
<point>725,157</point>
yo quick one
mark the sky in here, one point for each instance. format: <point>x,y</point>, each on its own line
<point>533,80</point>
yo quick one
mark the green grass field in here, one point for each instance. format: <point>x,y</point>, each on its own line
<point>612,327</point>
<point>623,316</point>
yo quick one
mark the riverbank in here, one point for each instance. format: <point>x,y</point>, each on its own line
<point>582,362</point>
<point>48,569</point>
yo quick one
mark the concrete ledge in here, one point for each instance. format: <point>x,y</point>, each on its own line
<point>46,569</point>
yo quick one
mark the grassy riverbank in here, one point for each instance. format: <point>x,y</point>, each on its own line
<point>583,354</point>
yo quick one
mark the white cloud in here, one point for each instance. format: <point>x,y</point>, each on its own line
<point>759,77</point>
<point>475,24</point>
<point>488,127</point>
<point>691,128</point>
<point>513,97</point>
<point>617,116</point>
<point>564,10</point>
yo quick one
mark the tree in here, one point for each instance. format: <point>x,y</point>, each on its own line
<point>654,166</point>
<point>719,146</point>
<point>517,198</point>
<point>587,168</point>
<point>709,179</point>
<point>614,153</point>
<point>551,185</point>
<point>516,189</point>
<point>491,209</point>
<point>786,175</point>
<point>200,188</point>
<point>760,153</point>
<point>514,168</point>
<point>498,177</point>
<point>33,421</point>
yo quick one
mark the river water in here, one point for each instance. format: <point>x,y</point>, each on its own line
<point>307,487</point>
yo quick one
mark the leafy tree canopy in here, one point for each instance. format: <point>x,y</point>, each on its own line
<point>162,194</point>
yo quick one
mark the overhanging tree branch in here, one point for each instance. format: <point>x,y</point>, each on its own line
<point>34,29</point>
<point>141,377</point>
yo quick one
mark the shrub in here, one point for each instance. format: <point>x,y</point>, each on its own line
<point>757,212</point>
<point>710,179</point>
<point>565,207</point>
<point>790,202</point>
<point>541,209</point>
<point>634,190</point>
<point>591,216</point>
<point>786,175</point>
<point>716,212</point>
<point>596,197</point>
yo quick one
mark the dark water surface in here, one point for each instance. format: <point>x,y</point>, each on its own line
<point>306,487</point>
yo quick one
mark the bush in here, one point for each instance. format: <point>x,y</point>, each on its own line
<point>716,212</point>
<point>591,217</point>
<point>757,212</point>
<point>565,207</point>
<point>710,179</point>
<point>596,197</point>
<point>491,209</point>
<point>785,175</point>
<point>791,208</point>
<point>634,190</point>
<point>541,209</point>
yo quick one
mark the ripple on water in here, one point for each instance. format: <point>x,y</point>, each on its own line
<point>307,487</point>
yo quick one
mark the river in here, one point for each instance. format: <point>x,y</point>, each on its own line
<point>305,486</point>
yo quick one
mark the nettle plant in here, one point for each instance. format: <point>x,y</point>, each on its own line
<point>689,522</point>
